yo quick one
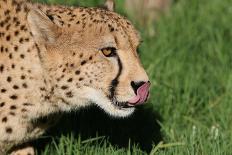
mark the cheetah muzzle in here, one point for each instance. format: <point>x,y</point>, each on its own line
<point>142,94</point>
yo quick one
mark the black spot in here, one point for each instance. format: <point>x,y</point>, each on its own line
<point>24,110</point>
<point>15,19</point>
<point>8,27</point>
<point>22,27</point>
<point>83,62</point>
<point>8,130</point>
<point>16,87</point>
<point>47,97</point>
<point>23,77</point>
<point>24,85</point>
<point>8,37</point>
<point>7,12</point>
<point>3,90</point>
<point>80,79</point>
<point>9,79</point>
<point>21,40</point>
<point>16,48</point>
<point>2,48</point>
<point>18,8</point>
<point>2,104</point>
<point>61,22</point>
<point>13,97</point>
<point>12,113</point>
<point>6,50</point>
<point>77,72</point>
<point>111,29</point>
<point>13,107</point>
<point>27,39</point>
<point>69,94</point>
<point>62,76</point>
<point>10,56</point>
<point>2,24</point>
<point>16,33</point>
<point>27,104</point>
<point>13,66</point>
<point>22,56</point>
<point>69,80</point>
<point>4,119</point>
<point>64,87</point>
<point>1,68</point>
<point>17,23</point>
<point>42,89</point>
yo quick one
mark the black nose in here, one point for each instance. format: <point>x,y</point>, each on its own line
<point>136,85</point>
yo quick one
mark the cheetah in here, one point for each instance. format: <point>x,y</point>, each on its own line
<point>56,59</point>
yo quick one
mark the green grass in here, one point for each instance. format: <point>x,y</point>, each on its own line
<point>189,62</point>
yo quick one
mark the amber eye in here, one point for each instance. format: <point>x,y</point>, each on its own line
<point>109,51</point>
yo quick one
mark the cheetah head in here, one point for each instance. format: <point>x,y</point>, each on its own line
<point>90,55</point>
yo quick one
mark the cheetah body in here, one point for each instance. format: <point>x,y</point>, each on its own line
<point>49,63</point>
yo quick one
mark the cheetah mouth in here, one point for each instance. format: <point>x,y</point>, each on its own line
<point>140,98</point>
<point>122,105</point>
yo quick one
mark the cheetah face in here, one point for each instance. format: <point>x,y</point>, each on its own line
<point>93,62</point>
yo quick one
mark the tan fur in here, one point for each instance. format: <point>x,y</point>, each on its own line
<point>50,62</point>
<point>24,151</point>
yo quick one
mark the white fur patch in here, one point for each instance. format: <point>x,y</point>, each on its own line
<point>96,96</point>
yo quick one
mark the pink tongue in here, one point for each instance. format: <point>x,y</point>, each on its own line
<point>142,94</point>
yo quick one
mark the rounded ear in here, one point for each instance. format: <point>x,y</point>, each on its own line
<point>42,28</point>
<point>109,5</point>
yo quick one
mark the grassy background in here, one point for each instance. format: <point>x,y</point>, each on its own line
<point>189,62</point>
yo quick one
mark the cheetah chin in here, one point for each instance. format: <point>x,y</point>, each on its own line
<point>112,108</point>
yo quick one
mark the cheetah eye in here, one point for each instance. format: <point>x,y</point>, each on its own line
<point>109,51</point>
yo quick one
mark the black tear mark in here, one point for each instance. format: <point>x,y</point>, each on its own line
<point>51,17</point>
<point>115,82</point>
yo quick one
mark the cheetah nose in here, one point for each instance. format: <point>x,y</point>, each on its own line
<point>141,90</point>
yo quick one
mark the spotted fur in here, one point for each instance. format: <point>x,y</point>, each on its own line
<point>51,62</point>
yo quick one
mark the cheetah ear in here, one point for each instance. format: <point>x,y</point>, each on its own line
<point>109,5</point>
<point>42,28</point>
